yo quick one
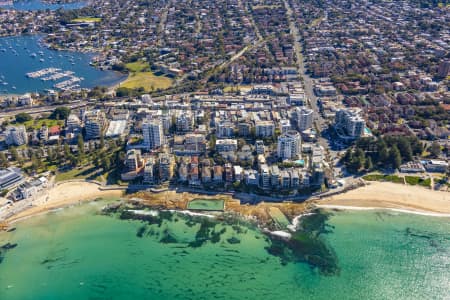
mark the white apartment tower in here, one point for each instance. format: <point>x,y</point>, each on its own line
<point>350,121</point>
<point>153,132</point>
<point>94,123</point>
<point>289,145</point>
<point>304,118</point>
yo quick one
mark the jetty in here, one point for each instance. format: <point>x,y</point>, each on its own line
<point>53,74</point>
<point>58,75</point>
<point>67,83</point>
<point>6,3</point>
<point>42,72</point>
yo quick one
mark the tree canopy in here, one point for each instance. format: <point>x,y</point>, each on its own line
<point>383,152</point>
<point>60,113</point>
<point>23,117</point>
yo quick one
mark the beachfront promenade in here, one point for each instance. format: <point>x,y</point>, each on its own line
<point>373,195</point>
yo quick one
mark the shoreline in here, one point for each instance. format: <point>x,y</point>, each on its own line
<point>362,208</point>
<point>386,195</point>
<point>374,196</point>
<point>62,195</point>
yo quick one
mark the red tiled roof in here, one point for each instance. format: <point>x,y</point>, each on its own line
<point>54,130</point>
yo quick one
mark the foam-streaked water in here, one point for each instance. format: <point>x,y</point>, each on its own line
<point>17,58</point>
<point>78,254</point>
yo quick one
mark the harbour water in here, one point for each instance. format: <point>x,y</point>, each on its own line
<point>40,5</point>
<point>76,253</point>
<point>24,54</point>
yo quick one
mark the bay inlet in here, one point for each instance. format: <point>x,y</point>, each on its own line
<point>30,5</point>
<point>22,55</point>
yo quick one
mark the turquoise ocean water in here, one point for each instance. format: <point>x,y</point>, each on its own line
<point>75,253</point>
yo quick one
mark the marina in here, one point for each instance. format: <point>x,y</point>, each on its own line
<point>27,65</point>
<point>52,74</point>
<point>6,3</point>
<point>31,5</point>
<point>42,72</point>
<point>58,76</point>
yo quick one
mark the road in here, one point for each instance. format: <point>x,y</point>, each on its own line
<point>40,109</point>
<point>320,123</point>
<point>233,58</point>
<point>260,41</point>
<point>162,24</point>
<point>307,80</point>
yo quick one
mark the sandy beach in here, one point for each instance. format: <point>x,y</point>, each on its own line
<point>392,196</point>
<point>375,195</point>
<point>62,195</point>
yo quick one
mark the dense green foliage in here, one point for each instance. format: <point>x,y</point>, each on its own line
<point>60,113</point>
<point>385,152</point>
<point>23,117</point>
<point>415,180</point>
<point>380,177</point>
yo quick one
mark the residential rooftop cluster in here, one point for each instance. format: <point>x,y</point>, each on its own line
<point>265,96</point>
<point>390,59</point>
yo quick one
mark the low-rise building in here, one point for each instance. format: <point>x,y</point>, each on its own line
<point>149,170</point>
<point>265,176</point>
<point>226,145</point>
<point>133,160</point>
<point>251,177</point>
<point>116,128</point>
<point>218,174</point>
<point>434,165</point>
<point>10,178</point>
<point>244,129</point>
<point>412,167</point>
<point>228,169</point>
<point>285,126</point>
<point>166,165</point>
<point>238,172</point>
<point>264,128</point>
<point>16,135</point>
<point>275,176</point>
<point>225,129</point>
<point>259,145</point>
<point>206,174</point>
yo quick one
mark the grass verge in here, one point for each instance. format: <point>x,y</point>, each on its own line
<point>146,80</point>
<point>381,177</point>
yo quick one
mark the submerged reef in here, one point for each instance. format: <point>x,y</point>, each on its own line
<point>306,244</point>
<point>5,248</point>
